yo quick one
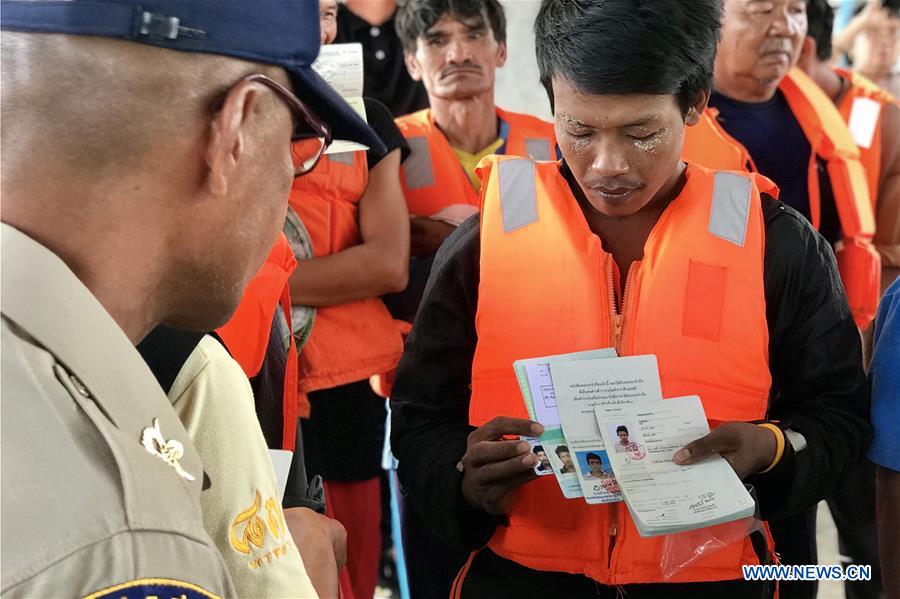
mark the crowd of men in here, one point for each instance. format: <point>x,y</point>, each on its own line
<point>192,280</point>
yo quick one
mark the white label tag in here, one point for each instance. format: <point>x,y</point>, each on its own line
<point>863,120</point>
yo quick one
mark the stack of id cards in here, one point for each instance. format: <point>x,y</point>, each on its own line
<point>609,436</point>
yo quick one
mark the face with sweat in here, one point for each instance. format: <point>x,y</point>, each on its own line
<point>624,151</point>
<point>761,40</point>
<point>457,58</point>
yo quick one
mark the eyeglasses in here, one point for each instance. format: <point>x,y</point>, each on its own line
<point>311,136</point>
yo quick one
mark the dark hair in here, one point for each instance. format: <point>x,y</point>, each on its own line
<point>820,17</point>
<point>415,17</point>
<point>562,449</point>
<point>538,448</point>
<point>592,456</point>
<point>629,46</point>
<point>621,428</point>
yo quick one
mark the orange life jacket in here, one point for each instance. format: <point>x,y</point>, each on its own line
<point>349,342</point>
<point>696,300</point>
<point>858,262</point>
<point>432,177</point>
<point>246,335</point>
<point>707,144</point>
<point>869,153</point>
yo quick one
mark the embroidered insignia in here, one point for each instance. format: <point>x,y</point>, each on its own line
<point>168,451</point>
<point>254,527</point>
<point>162,588</point>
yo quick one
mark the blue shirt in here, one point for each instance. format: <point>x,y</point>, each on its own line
<point>772,135</point>
<point>885,377</point>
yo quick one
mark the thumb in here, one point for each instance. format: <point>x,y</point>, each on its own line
<point>697,451</point>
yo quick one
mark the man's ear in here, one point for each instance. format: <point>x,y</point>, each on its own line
<point>226,139</point>
<point>807,54</point>
<point>412,65</point>
<point>696,108</point>
<point>501,54</point>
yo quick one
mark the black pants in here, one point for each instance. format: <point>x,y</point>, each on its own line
<point>493,577</point>
<point>853,510</point>
<point>795,543</point>
<point>431,564</point>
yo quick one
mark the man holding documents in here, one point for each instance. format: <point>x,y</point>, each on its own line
<point>621,244</point>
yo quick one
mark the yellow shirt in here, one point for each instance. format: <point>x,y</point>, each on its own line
<point>470,161</point>
<point>242,508</point>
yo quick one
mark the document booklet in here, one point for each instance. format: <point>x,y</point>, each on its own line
<point>536,385</point>
<point>663,498</point>
<point>581,387</point>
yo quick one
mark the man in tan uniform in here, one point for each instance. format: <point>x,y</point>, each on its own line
<point>142,183</point>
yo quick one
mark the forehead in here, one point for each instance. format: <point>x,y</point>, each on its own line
<point>327,5</point>
<point>450,22</point>
<point>608,111</point>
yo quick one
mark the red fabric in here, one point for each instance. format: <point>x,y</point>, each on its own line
<point>357,506</point>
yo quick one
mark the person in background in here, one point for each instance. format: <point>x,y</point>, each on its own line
<point>637,239</point>
<point>885,449</point>
<point>352,205</point>
<point>371,23</point>
<point>795,136</point>
<point>872,41</point>
<point>269,552</point>
<point>152,199</point>
<point>873,116</point>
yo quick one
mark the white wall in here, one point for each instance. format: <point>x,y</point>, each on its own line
<point>518,87</point>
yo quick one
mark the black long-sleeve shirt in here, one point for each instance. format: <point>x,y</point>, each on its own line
<point>818,384</point>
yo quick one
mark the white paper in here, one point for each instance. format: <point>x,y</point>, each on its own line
<point>341,66</point>
<point>281,460</point>
<point>535,381</point>
<point>662,496</point>
<point>863,120</point>
<point>583,386</point>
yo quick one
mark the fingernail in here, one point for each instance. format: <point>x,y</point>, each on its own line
<point>682,455</point>
<point>537,429</point>
<point>530,460</point>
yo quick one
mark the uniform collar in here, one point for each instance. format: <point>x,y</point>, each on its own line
<point>43,296</point>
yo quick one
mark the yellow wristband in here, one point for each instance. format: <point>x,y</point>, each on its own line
<point>779,444</point>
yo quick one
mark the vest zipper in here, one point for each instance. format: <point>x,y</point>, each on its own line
<point>617,313</point>
<point>613,533</point>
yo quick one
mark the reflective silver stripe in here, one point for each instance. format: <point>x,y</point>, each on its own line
<point>537,148</point>
<point>518,201</point>
<point>417,165</point>
<point>342,157</point>
<point>730,207</point>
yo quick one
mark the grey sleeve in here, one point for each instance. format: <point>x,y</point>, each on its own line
<point>131,564</point>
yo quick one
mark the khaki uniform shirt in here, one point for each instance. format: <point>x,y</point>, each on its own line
<point>242,508</point>
<point>87,509</point>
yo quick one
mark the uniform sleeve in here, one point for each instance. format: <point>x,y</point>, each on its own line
<point>380,120</point>
<point>885,375</point>
<point>819,387</point>
<point>430,397</point>
<point>242,508</point>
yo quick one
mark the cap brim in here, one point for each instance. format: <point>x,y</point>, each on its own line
<point>330,107</point>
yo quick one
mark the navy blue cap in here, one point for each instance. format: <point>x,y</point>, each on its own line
<point>284,33</point>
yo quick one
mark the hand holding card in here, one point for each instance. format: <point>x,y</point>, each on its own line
<point>494,467</point>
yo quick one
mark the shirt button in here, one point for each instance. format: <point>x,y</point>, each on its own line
<point>79,386</point>
<point>379,55</point>
<point>375,31</point>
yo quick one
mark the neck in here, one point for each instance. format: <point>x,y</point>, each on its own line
<point>120,266</point>
<point>749,91</point>
<point>373,12</point>
<point>470,125</point>
<point>830,82</point>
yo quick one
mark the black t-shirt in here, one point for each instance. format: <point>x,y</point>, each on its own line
<point>386,78</point>
<point>381,121</point>
<point>781,152</point>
